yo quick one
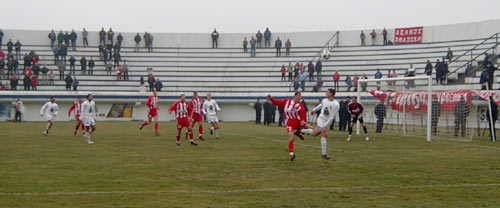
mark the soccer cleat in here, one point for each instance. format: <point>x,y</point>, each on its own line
<point>90,142</point>
<point>45,133</point>
<point>201,138</point>
<point>211,130</point>
<point>178,143</point>
<point>299,134</point>
<point>140,128</point>
<point>76,134</point>
<point>349,138</point>
<point>326,157</point>
<point>367,138</point>
<point>157,134</point>
<point>292,156</point>
<point>194,143</point>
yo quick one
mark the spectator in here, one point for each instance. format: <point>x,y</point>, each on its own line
<point>141,81</point>
<point>384,35</point>
<point>411,73</point>
<point>10,47</point>
<point>245,45</point>
<point>296,84</point>
<point>51,77</point>
<point>310,69</point>
<point>64,52</point>
<point>215,38</point>
<point>302,79</point>
<point>19,111</point>
<point>109,67</point>
<point>57,54</point>
<point>14,82</point>
<point>355,82</point>
<point>380,112</point>
<point>27,82</point>
<point>435,113</point>
<point>69,81</point>
<point>444,73</point>
<point>283,73</point>
<point>348,82</point>
<point>61,67</point>
<point>150,42</point>
<point>296,69</point>
<point>34,82</point>
<point>252,47</point>
<point>45,71</point>
<point>27,60</point>
<point>267,112</point>
<point>288,46</point>
<point>486,60</point>
<point>449,54</point>
<point>125,70</point>
<point>36,69</point>
<point>439,70</point>
<point>378,75</point>
<point>151,82</point>
<point>60,37</point>
<point>75,84</point>
<point>258,110</point>
<point>2,67</point>
<point>461,112</point>
<point>1,38</point>
<point>73,38</point>
<point>119,72</point>
<point>91,66</point>
<point>344,115</point>
<point>364,84</point>
<point>117,58</point>
<point>117,47</point>
<point>428,68</point>
<point>119,39</point>
<point>146,40</point>
<point>85,39</point>
<point>83,64</point>
<point>111,35</point>
<point>491,75</point>
<point>52,38</point>
<point>374,35</point>
<point>319,67</point>
<point>494,118</point>
<point>67,38</point>
<point>72,62</point>
<point>318,85</point>
<point>102,36</point>
<point>362,37</point>
<point>277,45</point>
<point>259,39</point>
<point>18,49</point>
<point>158,85</point>
<point>336,79</point>
<point>290,71</point>
<point>267,38</point>
<point>137,40</point>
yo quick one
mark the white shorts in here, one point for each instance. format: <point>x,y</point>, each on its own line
<point>322,123</point>
<point>88,122</point>
<point>212,119</point>
<point>49,118</point>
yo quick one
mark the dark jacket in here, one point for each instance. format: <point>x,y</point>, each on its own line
<point>73,36</point>
<point>69,81</point>
<point>137,38</point>
<point>158,85</point>
<point>436,109</point>
<point>267,35</point>
<point>494,110</point>
<point>267,106</point>
<point>319,66</point>
<point>380,110</point>
<point>257,107</point>
<point>277,44</point>
<point>461,110</point>
<point>428,69</point>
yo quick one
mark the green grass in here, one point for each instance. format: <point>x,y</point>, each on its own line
<point>247,167</point>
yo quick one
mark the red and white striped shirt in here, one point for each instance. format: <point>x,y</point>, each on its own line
<point>293,110</point>
<point>180,108</point>
<point>152,102</point>
<point>76,109</point>
<point>196,105</point>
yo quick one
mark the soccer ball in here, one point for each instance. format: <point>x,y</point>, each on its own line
<point>326,54</point>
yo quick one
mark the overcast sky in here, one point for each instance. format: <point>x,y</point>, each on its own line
<point>240,16</point>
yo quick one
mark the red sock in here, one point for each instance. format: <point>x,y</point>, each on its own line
<point>200,129</point>
<point>144,124</point>
<point>290,146</point>
<point>156,127</point>
<point>83,127</point>
<point>191,134</point>
<point>77,126</point>
<point>178,137</point>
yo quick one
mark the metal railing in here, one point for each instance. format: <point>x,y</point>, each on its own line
<point>327,45</point>
<point>471,51</point>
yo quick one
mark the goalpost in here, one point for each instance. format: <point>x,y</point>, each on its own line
<point>420,83</point>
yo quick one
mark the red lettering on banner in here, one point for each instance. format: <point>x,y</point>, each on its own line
<point>409,35</point>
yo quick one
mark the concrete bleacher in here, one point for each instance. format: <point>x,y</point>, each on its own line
<point>231,70</point>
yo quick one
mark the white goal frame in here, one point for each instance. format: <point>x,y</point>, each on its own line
<point>429,97</point>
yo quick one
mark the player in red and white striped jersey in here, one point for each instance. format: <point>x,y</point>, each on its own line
<point>195,112</point>
<point>153,108</point>
<point>295,114</point>
<point>181,108</point>
<point>76,109</point>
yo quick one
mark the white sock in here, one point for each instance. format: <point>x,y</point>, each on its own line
<point>323,145</point>
<point>47,127</point>
<point>307,131</point>
<point>216,133</point>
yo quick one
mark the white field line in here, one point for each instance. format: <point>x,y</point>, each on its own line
<point>254,190</point>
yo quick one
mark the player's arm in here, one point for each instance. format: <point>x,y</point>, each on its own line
<point>303,114</point>
<point>204,108</point>
<point>279,103</point>
<point>333,113</point>
<point>42,110</point>
<point>56,110</point>
<point>172,108</point>
<point>316,108</point>
<point>217,106</point>
<point>71,109</point>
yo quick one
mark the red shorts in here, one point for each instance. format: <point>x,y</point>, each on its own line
<point>292,125</point>
<point>153,113</point>
<point>197,117</point>
<point>183,122</point>
<point>78,118</point>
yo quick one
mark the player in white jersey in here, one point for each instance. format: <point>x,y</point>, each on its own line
<point>210,108</point>
<point>88,115</point>
<point>49,112</point>
<point>329,108</point>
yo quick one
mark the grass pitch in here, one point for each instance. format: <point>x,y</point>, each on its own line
<point>247,167</point>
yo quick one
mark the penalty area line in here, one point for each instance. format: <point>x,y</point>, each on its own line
<point>253,190</point>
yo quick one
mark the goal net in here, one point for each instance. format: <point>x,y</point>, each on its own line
<point>412,106</point>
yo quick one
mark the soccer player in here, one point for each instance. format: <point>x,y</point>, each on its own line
<point>49,112</point>
<point>88,117</point>
<point>76,109</point>
<point>328,108</point>
<point>195,108</point>
<point>295,115</point>
<point>182,115</point>
<point>356,111</point>
<point>153,108</point>
<point>210,109</point>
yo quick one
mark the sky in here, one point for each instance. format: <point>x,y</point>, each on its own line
<point>235,16</point>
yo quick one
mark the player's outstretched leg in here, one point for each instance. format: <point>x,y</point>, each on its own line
<point>178,137</point>
<point>290,145</point>
<point>350,131</point>
<point>190,132</point>
<point>200,131</point>
<point>366,132</point>
<point>215,127</point>
<point>157,133</point>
